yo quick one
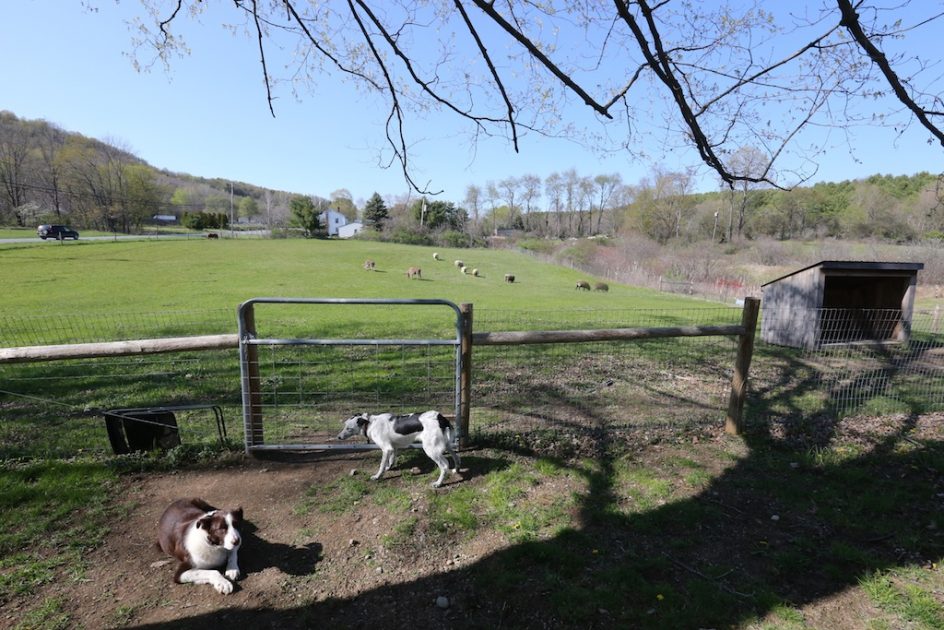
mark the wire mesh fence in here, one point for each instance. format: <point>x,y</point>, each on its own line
<point>322,360</point>
<point>857,361</point>
<point>558,393</point>
<point>540,392</point>
<point>40,329</point>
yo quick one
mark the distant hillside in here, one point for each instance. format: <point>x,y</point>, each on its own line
<point>49,174</point>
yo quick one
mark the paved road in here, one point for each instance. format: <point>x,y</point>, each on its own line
<point>139,237</point>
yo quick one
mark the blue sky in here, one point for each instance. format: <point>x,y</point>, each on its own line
<point>208,116</point>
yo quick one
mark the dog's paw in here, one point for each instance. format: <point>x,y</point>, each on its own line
<point>375,477</point>
<point>223,586</point>
<point>232,574</point>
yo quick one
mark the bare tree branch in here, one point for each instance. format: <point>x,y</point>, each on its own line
<point>493,70</point>
<point>489,9</point>
<point>399,145</point>
<point>265,71</point>
<point>850,19</point>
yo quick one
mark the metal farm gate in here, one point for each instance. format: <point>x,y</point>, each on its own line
<point>299,381</point>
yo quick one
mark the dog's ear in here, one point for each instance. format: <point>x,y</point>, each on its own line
<point>238,514</point>
<point>204,522</point>
<point>362,420</point>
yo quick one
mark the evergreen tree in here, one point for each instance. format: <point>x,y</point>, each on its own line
<point>375,212</point>
<point>305,215</point>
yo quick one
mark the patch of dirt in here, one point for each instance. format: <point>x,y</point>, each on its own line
<point>291,558</point>
<point>360,567</point>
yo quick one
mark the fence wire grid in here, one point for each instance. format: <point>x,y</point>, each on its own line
<point>535,392</point>
<point>855,361</point>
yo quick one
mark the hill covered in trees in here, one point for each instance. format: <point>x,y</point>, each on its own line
<point>48,174</point>
<point>51,175</point>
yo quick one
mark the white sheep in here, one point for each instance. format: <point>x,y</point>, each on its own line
<point>464,269</point>
<point>475,272</point>
<point>459,263</point>
<point>436,256</point>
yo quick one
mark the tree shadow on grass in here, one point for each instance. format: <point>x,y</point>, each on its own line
<point>778,527</point>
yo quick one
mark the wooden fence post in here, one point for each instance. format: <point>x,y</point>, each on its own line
<point>252,397</point>
<point>734,423</point>
<point>465,376</point>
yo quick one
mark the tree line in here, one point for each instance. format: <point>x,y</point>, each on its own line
<point>49,175</point>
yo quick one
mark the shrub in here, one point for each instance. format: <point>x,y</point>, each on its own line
<point>581,253</point>
<point>453,238</point>
<point>538,245</point>
<point>409,236</point>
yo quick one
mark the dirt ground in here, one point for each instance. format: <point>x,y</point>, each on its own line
<point>305,568</point>
<point>299,570</point>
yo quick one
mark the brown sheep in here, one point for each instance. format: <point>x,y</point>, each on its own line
<point>601,286</point>
<point>369,264</point>
<point>583,285</point>
<point>509,277</point>
<point>414,272</point>
<point>213,235</point>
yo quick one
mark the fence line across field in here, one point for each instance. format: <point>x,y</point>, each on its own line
<point>526,390</point>
<point>420,364</point>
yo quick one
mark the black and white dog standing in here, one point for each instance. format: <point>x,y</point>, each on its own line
<point>203,539</point>
<point>394,432</point>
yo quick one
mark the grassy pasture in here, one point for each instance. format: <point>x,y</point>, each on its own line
<point>163,275</point>
<point>676,532</point>
<point>200,283</point>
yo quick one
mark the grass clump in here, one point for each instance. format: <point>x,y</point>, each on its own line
<point>51,512</point>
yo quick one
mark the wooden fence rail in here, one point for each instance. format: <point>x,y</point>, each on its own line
<point>28,354</point>
<point>733,421</point>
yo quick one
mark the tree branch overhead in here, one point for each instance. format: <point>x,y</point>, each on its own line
<point>706,78</point>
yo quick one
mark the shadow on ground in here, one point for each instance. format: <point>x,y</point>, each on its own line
<point>782,526</point>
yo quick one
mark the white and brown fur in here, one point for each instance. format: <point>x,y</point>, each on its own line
<point>395,432</point>
<point>202,539</point>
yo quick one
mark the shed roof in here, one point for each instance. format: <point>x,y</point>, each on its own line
<point>855,265</point>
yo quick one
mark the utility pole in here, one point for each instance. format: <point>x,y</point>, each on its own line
<point>231,209</point>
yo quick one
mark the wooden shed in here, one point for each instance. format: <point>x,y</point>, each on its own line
<point>837,301</point>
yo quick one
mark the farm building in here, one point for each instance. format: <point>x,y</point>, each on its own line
<point>836,301</point>
<point>351,229</point>
<point>332,220</point>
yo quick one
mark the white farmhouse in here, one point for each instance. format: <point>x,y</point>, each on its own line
<point>332,220</point>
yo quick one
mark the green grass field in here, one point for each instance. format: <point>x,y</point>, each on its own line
<point>163,275</point>
<point>132,285</point>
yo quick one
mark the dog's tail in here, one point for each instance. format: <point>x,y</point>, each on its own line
<point>449,434</point>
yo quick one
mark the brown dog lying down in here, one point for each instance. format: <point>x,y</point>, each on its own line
<point>203,539</point>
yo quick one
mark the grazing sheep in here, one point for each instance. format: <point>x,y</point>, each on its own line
<point>213,235</point>
<point>475,272</point>
<point>414,272</point>
<point>509,277</point>
<point>459,263</point>
<point>436,256</point>
<point>583,285</point>
<point>601,286</point>
<point>369,264</point>
<point>464,269</point>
